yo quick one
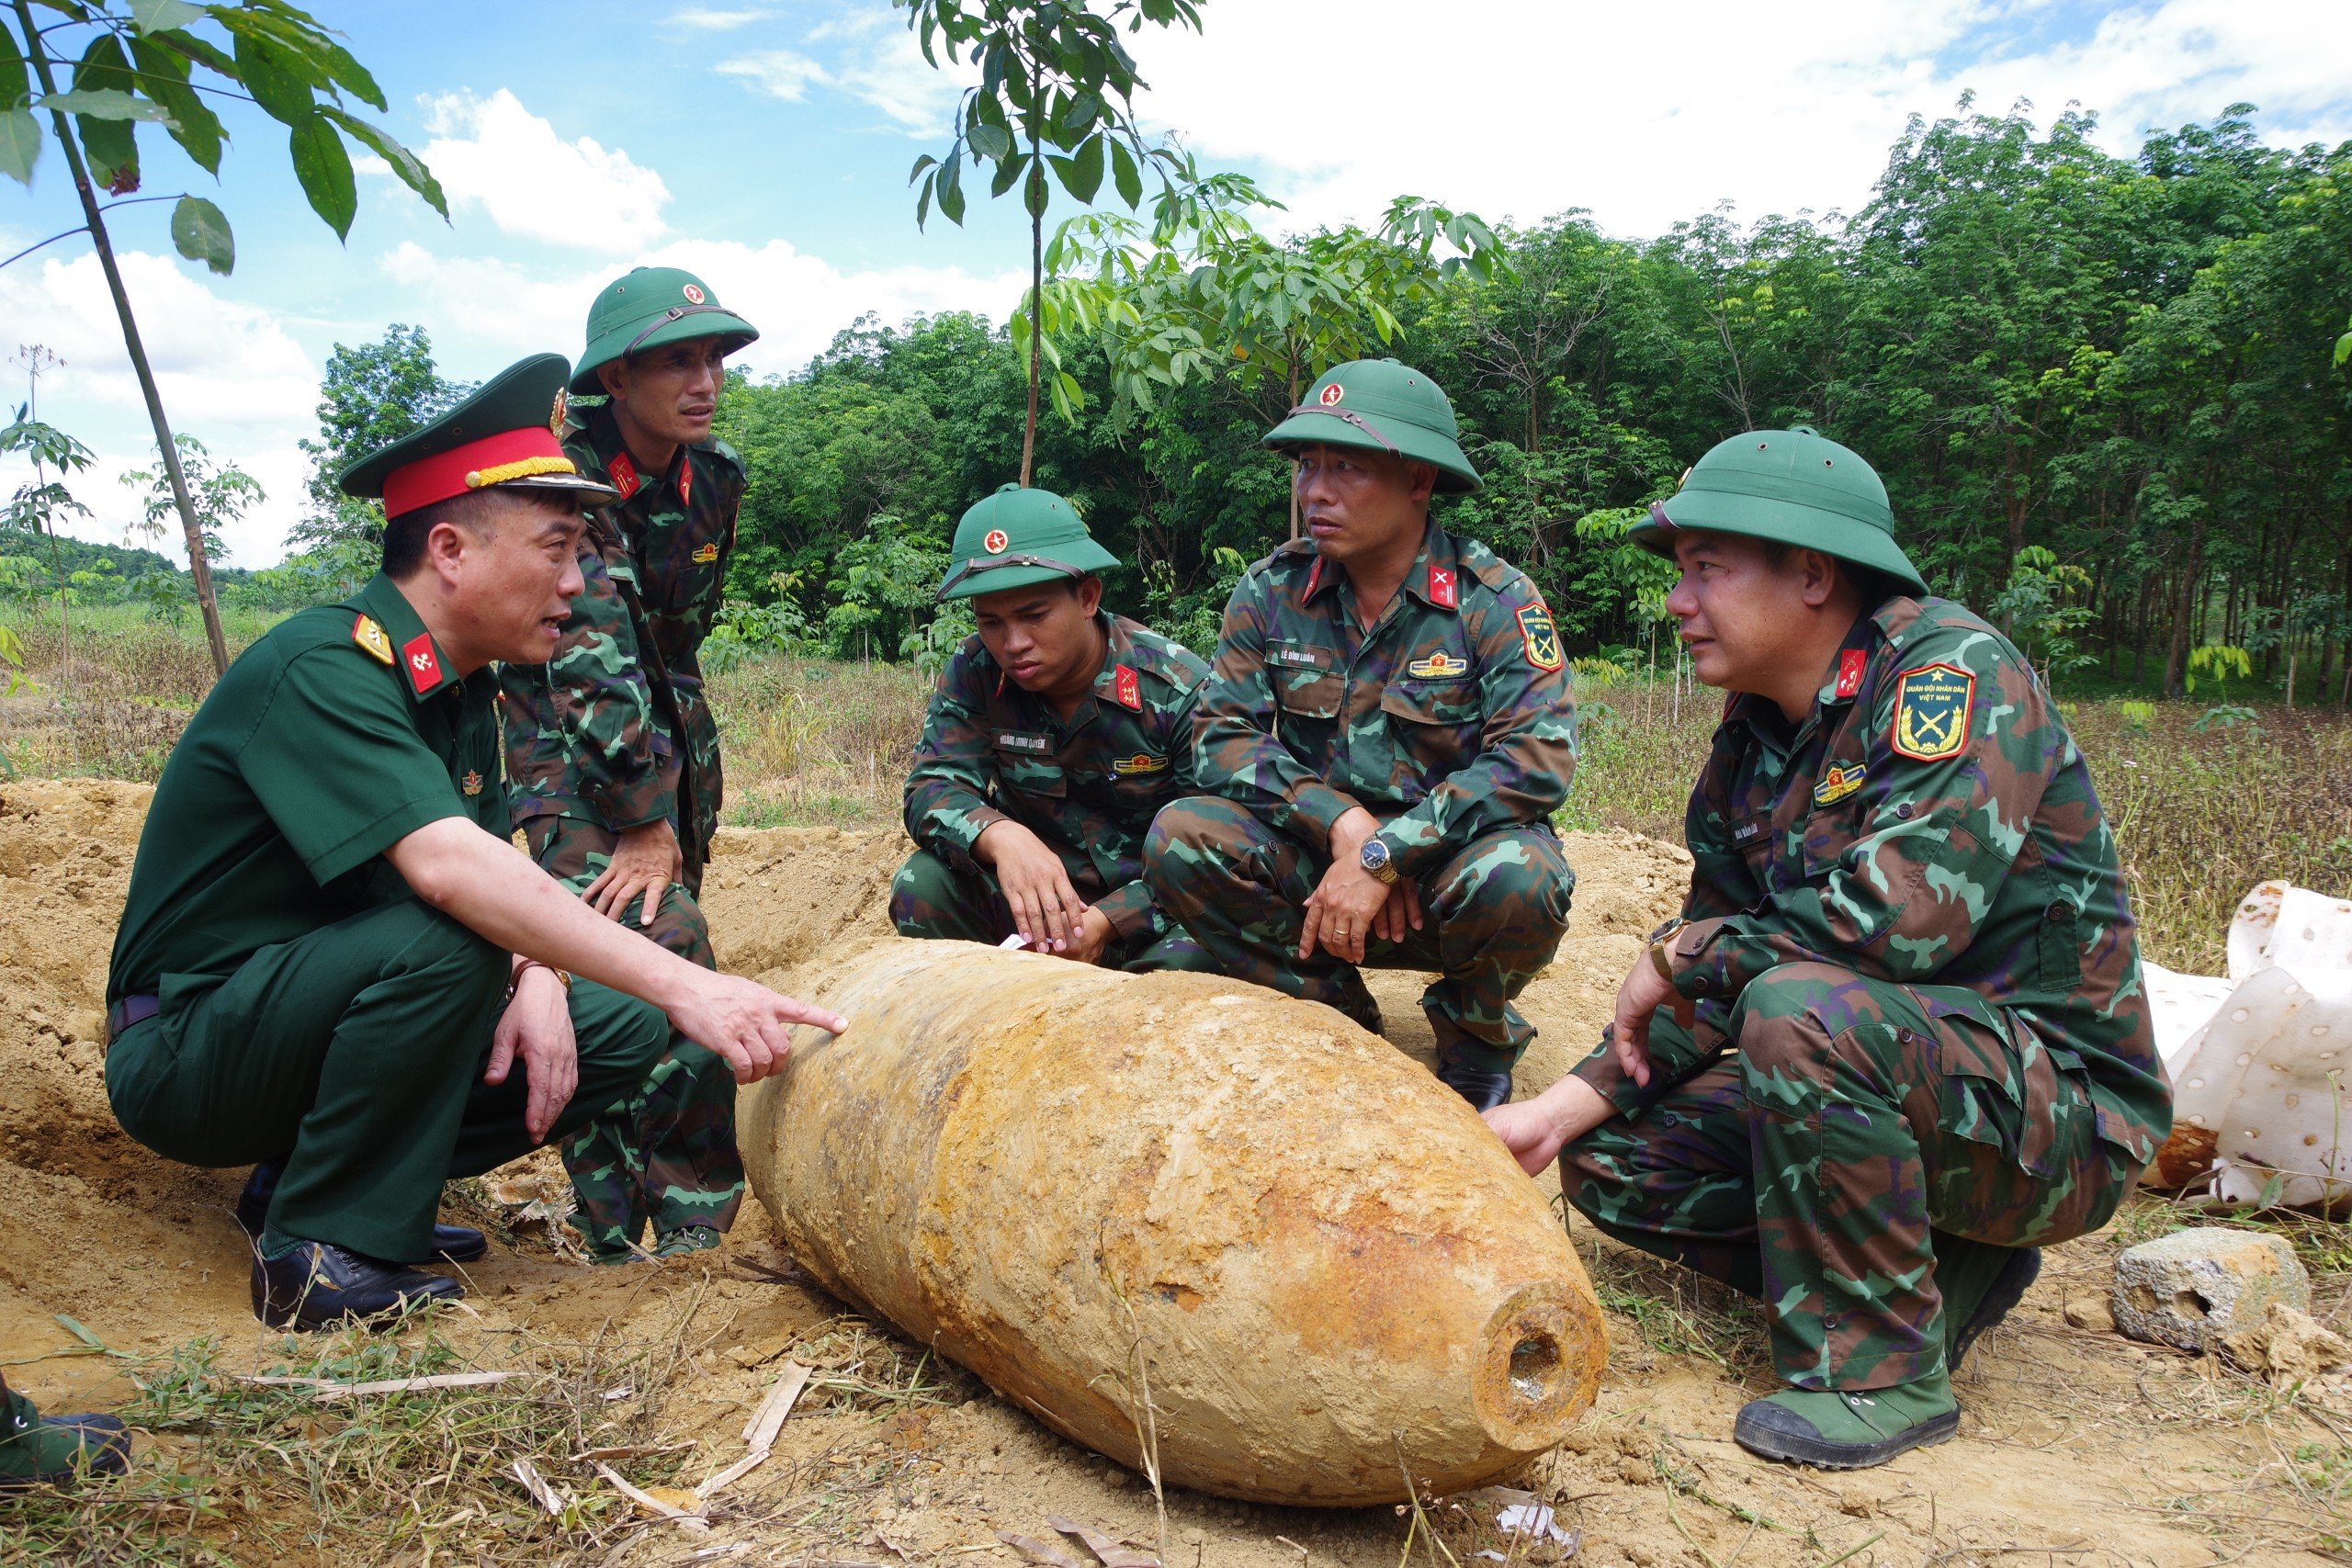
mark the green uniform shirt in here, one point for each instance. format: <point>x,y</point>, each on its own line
<point>1932,822</point>
<point>1449,717</point>
<point>309,758</point>
<point>1088,786</point>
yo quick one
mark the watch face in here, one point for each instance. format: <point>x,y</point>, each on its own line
<point>1375,853</point>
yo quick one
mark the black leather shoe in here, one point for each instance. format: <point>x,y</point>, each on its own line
<point>1483,1090</point>
<point>2001,1297</point>
<point>451,1244</point>
<point>321,1286</point>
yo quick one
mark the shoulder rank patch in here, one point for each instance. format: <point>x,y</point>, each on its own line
<point>369,636</point>
<point>1141,763</point>
<point>424,667</point>
<point>707,554</point>
<point>1931,710</point>
<point>1445,589</point>
<point>1851,663</point>
<point>1437,666</point>
<point>1126,689</point>
<point>1837,783</point>
<point>471,783</point>
<point>1543,640</point>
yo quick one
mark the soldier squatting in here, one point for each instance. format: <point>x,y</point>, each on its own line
<point>1895,1041</point>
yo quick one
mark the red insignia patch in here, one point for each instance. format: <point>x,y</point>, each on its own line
<point>1127,689</point>
<point>1314,576</point>
<point>1442,589</point>
<point>1850,665</point>
<point>686,478</point>
<point>996,543</point>
<point>424,667</point>
<point>624,474</point>
<point>694,295</point>
<point>1332,394</point>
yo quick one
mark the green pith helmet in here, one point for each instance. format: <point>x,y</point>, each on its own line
<point>1016,538</point>
<point>1792,486</point>
<point>1386,407</point>
<point>648,306</point>
<point>503,436</point>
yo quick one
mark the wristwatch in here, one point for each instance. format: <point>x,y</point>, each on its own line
<point>1660,957</point>
<point>1376,859</point>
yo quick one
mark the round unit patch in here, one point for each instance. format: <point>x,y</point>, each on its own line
<point>694,294</point>
<point>1333,393</point>
<point>996,543</point>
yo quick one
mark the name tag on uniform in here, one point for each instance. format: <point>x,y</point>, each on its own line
<point>1304,656</point>
<point>1014,741</point>
<point>1746,831</point>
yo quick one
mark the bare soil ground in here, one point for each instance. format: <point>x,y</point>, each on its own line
<point>2078,1448</point>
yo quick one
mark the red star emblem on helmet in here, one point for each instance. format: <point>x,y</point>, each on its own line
<point>694,294</point>
<point>996,544</point>
<point>1333,393</point>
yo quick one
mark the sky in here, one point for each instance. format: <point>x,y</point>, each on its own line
<point>764,144</point>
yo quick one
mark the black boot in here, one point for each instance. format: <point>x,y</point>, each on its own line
<point>321,1286</point>
<point>56,1451</point>
<point>451,1244</point>
<point>1483,1089</point>
<point>1977,1305</point>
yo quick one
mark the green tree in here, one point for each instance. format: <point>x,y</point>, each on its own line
<point>371,396</point>
<point>145,63</point>
<point>1053,75</point>
<point>223,493</point>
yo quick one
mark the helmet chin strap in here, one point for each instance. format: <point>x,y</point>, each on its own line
<point>674,313</point>
<point>1349,416</point>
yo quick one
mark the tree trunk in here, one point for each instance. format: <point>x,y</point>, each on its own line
<point>1294,483</point>
<point>1036,308</point>
<point>198,568</point>
<point>2184,603</point>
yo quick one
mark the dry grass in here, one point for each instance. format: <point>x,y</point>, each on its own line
<point>815,743</point>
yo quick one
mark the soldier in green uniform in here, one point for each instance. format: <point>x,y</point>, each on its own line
<point>1896,1041</point>
<point>1058,731</point>
<point>331,959</point>
<point>56,1451</point>
<point>1384,738</point>
<point>611,755</point>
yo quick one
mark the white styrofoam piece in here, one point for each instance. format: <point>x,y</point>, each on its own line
<point>2179,1005</point>
<point>2268,1076</point>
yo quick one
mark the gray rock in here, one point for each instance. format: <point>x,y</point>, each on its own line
<point>2194,1287</point>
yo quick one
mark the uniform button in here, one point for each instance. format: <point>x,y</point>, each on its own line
<point>2059,910</point>
<point>1670,1119</point>
<point>1828,1320</point>
<point>1700,985</point>
<point>1904,1036</point>
<point>1905,811</point>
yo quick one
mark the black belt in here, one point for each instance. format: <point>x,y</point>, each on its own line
<point>128,1012</point>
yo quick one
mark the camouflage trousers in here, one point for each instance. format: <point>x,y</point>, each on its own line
<point>1857,1138</point>
<point>667,1154</point>
<point>937,896</point>
<point>1492,915</point>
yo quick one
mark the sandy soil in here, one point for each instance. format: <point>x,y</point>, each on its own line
<point>2078,1446</point>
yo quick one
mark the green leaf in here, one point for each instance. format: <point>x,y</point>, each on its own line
<point>104,104</point>
<point>1124,174</point>
<point>154,15</point>
<point>405,164</point>
<point>16,77</point>
<point>324,167</point>
<point>20,141</point>
<point>193,126</point>
<point>112,148</point>
<point>951,190</point>
<point>990,141</point>
<point>201,232</point>
<point>1086,171</point>
<point>1008,171</point>
<point>272,75</point>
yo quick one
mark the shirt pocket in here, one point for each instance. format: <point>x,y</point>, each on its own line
<point>1829,833</point>
<point>1435,726</point>
<point>2004,1080</point>
<point>1027,777</point>
<point>1305,679</point>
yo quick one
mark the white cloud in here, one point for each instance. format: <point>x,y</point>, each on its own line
<point>492,311</point>
<point>495,154</point>
<point>1651,114</point>
<point>228,374</point>
<point>778,72</point>
<point>703,19</point>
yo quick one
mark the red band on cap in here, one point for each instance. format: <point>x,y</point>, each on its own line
<point>443,475</point>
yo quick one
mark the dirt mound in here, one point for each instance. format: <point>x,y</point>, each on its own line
<point>2076,1444</point>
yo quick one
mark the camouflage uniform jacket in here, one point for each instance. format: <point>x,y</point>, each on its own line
<point>1930,823</point>
<point>1451,718</point>
<point>1088,786</point>
<point>615,728</point>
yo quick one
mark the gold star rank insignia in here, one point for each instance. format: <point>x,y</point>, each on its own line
<point>369,636</point>
<point>1840,782</point>
<point>471,783</point>
<point>705,555</point>
<point>1141,763</point>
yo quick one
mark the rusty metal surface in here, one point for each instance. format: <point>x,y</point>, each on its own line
<point>1051,1172</point>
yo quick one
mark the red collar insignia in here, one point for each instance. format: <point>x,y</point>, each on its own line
<point>424,666</point>
<point>686,478</point>
<point>1313,578</point>
<point>1126,689</point>
<point>624,474</point>
<point>1850,665</point>
<point>1444,592</point>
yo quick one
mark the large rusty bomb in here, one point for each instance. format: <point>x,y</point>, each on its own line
<point>1079,1182</point>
